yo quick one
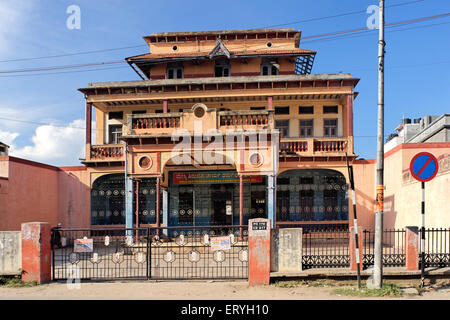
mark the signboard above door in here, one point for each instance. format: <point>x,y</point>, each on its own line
<point>211,177</point>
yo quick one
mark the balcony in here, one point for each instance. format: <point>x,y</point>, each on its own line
<point>317,146</point>
<point>165,124</point>
<point>246,120</point>
<point>106,153</point>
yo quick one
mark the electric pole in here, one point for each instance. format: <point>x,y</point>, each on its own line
<point>378,250</point>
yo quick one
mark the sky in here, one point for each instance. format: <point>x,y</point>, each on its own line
<point>42,113</point>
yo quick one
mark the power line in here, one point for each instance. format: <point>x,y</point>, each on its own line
<point>139,46</point>
<point>72,54</point>
<point>316,37</point>
<point>339,15</point>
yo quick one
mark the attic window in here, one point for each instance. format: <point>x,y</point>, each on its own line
<point>222,68</point>
<point>175,70</point>
<point>269,44</point>
<point>269,67</point>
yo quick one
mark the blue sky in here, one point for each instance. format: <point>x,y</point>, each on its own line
<point>417,59</point>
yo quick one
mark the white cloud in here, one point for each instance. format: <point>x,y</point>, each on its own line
<point>8,137</point>
<point>55,145</point>
<point>13,16</point>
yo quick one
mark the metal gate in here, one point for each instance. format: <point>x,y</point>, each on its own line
<point>209,252</point>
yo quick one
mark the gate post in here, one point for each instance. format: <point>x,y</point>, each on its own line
<point>412,248</point>
<point>36,252</point>
<point>353,265</point>
<point>259,251</point>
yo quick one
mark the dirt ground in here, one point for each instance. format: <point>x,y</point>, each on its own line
<point>215,290</point>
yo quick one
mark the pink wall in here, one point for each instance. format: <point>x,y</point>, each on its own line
<point>39,192</point>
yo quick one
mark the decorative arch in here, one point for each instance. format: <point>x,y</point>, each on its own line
<point>312,195</point>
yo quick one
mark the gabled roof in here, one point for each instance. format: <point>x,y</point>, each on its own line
<point>219,50</point>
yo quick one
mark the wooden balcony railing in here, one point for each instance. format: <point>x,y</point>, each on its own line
<point>316,146</point>
<point>107,152</point>
<point>246,119</point>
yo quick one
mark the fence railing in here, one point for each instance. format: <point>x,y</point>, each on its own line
<point>325,246</point>
<point>437,247</point>
<point>393,248</point>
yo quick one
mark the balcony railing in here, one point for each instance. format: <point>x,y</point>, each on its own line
<point>148,124</point>
<point>246,119</point>
<point>111,152</point>
<point>316,146</point>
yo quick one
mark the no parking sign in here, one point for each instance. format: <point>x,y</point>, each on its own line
<point>423,167</point>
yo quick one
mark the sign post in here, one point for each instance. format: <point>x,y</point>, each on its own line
<point>423,167</point>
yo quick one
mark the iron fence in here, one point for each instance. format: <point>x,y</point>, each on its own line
<point>437,247</point>
<point>393,248</point>
<point>209,252</point>
<point>325,246</point>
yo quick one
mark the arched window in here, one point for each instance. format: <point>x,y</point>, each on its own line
<point>108,200</point>
<point>312,195</point>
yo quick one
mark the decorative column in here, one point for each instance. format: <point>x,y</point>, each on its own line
<point>241,204</point>
<point>158,188</point>
<point>88,130</point>
<point>165,206</point>
<point>165,110</point>
<point>269,103</point>
<point>350,115</point>
<point>271,214</point>
<point>128,196</point>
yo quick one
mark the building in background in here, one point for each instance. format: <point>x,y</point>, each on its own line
<point>4,149</point>
<point>426,129</point>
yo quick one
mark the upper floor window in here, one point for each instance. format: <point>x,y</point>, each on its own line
<point>115,115</point>
<point>114,133</point>
<point>330,109</point>
<point>306,128</point>
<point>330,127</point>
<point>281,110</point>
<point>222,68</point>
<point>305,110</point>
<point>175,70</point>
<point>139,112</point>
<point>283,126</point>
<point>269,67</point>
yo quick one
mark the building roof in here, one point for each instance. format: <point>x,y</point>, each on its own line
<point>205,54</point>
<point>3,144</point>
<point>213,80</point>
<point>220,32</point>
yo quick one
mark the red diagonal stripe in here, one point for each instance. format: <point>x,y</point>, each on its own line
<point>424,166</point>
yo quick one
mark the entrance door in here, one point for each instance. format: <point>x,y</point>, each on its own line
<point>222,200</point>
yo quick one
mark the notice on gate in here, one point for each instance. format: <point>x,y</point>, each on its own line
<point>221,243</point>
<point>83,245</point>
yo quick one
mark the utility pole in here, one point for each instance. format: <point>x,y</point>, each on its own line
<point>378,250</point>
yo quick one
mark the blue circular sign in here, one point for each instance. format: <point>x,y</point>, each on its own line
<point>424,166</point>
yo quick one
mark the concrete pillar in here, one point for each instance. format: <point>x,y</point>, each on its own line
<point>165,106</point>
<point>353,264</point>
<point>412,248</point>
<point>286,250</point>
<point>165,206</point>
<point>259,251</point>
<point>158,205</point>
<point>36,252</point>
<point>88,130</point>
<point>271,198</point>
<point>129,204</point>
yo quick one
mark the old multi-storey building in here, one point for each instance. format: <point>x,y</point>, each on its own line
<point>224,126</point>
